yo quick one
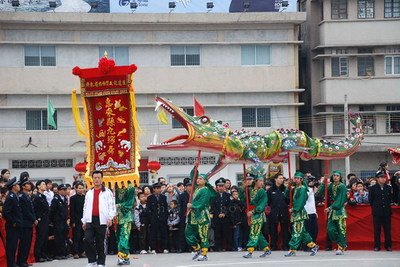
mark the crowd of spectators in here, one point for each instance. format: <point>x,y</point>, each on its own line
<point>54,219</point>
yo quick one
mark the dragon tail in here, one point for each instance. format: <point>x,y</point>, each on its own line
<point>327,150</point>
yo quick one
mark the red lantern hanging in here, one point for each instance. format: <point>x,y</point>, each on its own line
<point>153,166</point>
<point>80,167</point>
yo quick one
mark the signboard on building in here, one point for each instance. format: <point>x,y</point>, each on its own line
<point>147,6</point>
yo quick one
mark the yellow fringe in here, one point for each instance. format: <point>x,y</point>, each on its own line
<point>136,126</point>
<point>76,114</point>
<point>116,181</point>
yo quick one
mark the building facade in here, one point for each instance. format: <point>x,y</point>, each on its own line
<point>242,67</point>
<point>352,47</point>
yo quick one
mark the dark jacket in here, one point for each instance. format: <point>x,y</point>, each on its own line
<point>380,199</point>
<point>58,211</point>
<point>76,203</point>
<point>220,205</point>
<point>12,211</point>
<point>278,201</point>
<point>158,209</point>
<point>144,216</point>
<point>28,213</point>
<point>41,207</point>
<point>183,200</point>
<point>237,212</point>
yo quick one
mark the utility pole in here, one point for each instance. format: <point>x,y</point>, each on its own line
<point>346,135</point>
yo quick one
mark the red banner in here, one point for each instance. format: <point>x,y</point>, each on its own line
<point>110,113</point>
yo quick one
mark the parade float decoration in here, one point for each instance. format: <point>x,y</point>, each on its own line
<point>110,123</point>
<point>206,134</point>
<point>395,153</point>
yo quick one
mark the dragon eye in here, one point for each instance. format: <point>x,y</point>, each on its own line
<point>204,119</point>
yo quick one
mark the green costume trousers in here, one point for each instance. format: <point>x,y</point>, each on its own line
<point>195,233</point>
<point>337,231</point>
<point>123,233</point>
<point>256,238</point>
<point>300,236</point>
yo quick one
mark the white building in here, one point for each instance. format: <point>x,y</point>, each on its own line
<point>352,47</point>
<point>237,66</point>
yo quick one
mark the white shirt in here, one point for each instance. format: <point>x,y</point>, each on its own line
<point>49,196</point>
<point>310,204</point>
<point>107,209</point>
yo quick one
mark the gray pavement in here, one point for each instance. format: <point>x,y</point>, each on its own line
<point>234,259</point>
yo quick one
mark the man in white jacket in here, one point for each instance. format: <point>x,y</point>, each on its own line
<point>98,213</point>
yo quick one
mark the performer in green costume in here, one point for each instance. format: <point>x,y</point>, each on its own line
<point>124,200</point>
<point>299,214</point>
<point>337,213</point>
<point>258,200</point>
<point>196,231</point>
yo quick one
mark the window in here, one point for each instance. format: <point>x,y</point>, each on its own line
<point>392,8</point>
<point>144,178</point>
<point>340,66</point>
<point>185,55</point>
<point>37,120</point>
<point>256,117</point>
<point>176,124</point>
<point>365,66</point>
<point>120,54</point>
<point>392,65</point>
<point>369,119</point>
<point>42,163</point>
<point>339,9</point>
<point>338,120</point>
<point>366,9</point>
<point>393,119</point>
<point>36,55</point>
<point>256,54</point>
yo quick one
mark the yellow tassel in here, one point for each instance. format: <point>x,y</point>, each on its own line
<point>162,117</point>
<point>136,126</point>
<point>76,114</point>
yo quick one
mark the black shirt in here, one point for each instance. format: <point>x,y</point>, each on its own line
<point>12,211</point>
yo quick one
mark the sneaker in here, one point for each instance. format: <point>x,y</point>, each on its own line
<point>248,255</point>
<point>314,250</point>
<point>143,252</point>
<point>339,252</point>
<point>290,253</point>
<point>76,256</point>
<point>92,264</point>
<point>152,251</point>
<point>196,255</point>
<point>123,262</point>
<point>266,253</point>
<point>202,258</point>
<point>239,249</point>
<point>165,251</point>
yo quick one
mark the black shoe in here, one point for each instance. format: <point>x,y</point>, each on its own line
<point>41,260</point>
<point>377,249</point>
<point>388,249</point>
<point>328,249</point>
<point>49,259</point>
<point>59,258</point>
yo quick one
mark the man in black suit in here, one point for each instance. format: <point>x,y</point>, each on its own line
<point>158,210</point>
<point>220,213</point>
<point>76,203</point>
<point>28,221</point>
<point>380,198</point>
<point>278,200</point>
<point>183,200</point>
<point>13,215</point>
<point>58,216</point>
<point>42,209</point>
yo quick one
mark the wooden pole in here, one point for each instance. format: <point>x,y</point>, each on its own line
<point>290,182</point>
<point>196,166</point>
<point>326,170</point>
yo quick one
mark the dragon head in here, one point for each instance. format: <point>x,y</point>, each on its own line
<point>395,152</point>
<point>202,132</point>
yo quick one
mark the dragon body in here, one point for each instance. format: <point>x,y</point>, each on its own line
<point>206,134</point>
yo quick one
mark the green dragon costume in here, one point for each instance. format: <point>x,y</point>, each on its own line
<point>337,214</point>
<point>124,200</point>
<point>299,215</point>
<point>209,135</point>
<point>196,231</point>
<point>258,200</point>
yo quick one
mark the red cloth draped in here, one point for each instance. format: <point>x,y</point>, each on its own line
<point>360,229</point>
